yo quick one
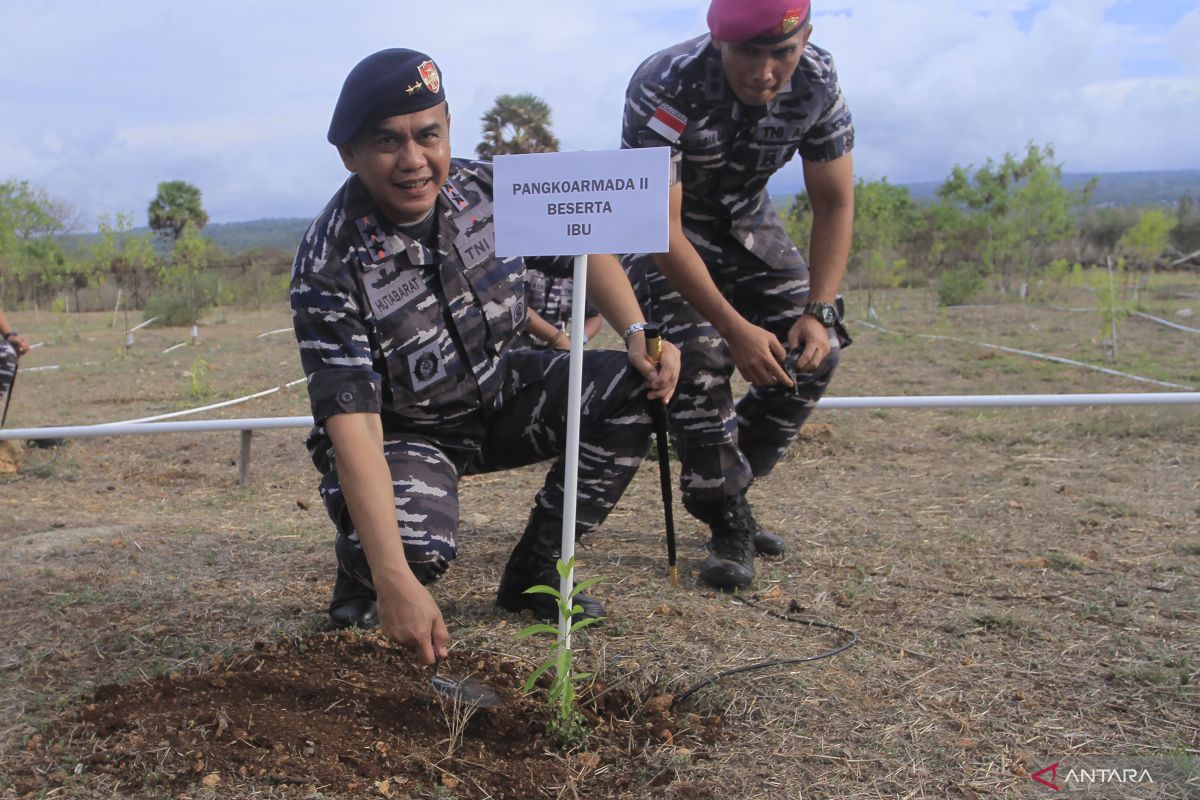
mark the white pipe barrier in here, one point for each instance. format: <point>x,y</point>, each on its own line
<point>826,403</point>
<point>1030,354</point>
<point>1166,322</point>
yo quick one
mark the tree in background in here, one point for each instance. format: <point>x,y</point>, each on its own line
<point>1145,242</point>
<point>128,258</point>
<point>885,219</point>
<point>175,206</point>
<point>1185,233</point>
<point>186,286</point>
<point>1016,211</point>
<point>32,224</point>
<point>517,123</point>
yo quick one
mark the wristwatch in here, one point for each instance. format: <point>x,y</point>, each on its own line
<point>634,328</point>
<point>10,335</point>
<point>825,313</point>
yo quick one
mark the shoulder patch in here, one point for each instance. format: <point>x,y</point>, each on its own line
<point>667,122</point>
<point>455,196</point>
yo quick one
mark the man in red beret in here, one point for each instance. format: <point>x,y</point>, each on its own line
<point>735,105</point>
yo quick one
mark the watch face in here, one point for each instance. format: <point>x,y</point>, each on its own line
<point>825,313</point>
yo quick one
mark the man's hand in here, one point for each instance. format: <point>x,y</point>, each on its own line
<point>809,332</point>
<point>758,355</point>
<point>20,344</point>
<point>661,380</point>
<point>409,616</point>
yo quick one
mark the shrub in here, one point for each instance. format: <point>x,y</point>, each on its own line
<point>957,286</point>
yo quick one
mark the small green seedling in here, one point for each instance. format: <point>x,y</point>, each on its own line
<point>567,725</point>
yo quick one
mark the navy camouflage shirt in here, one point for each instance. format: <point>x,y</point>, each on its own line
<point>388,325</point>
<point>724,149</point>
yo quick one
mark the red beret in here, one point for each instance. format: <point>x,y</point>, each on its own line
<point>767,21</point>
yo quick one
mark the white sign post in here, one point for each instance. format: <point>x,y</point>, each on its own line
<point>611,201</point>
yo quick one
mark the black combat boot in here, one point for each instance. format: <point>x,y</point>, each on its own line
<point>766,543</point>
<point>533,562</point>
<point>730,561</point>
<point>353,605</point>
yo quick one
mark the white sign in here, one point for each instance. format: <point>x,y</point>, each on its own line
<point>559,204</point>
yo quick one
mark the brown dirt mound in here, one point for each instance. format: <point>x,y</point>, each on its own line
<point>345,714</point>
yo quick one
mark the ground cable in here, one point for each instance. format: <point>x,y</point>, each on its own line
<point>773,662</point>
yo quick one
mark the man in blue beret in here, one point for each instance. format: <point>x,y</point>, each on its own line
<point>406,320</point>
<point>735,105</point>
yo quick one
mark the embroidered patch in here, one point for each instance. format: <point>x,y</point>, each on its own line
<point>454,196</point>
<point>425,366</point>
<point>430,76</point>
<point>390,290</point>
<point>792,20</point>
<point>517,311</point>
<point>667,123</point>
<point>377,247</point>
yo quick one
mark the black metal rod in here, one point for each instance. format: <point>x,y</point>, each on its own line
<point>658,414</point>
<point>9,394</point>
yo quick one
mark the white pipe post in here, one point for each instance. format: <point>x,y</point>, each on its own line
<point>571,473</point>
<point>116,308</point>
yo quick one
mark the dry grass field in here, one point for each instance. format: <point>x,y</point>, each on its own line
<point>1024,585</point>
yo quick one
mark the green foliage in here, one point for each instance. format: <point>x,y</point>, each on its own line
<point>1016,210</point>
<point>797,221</point>
<point>32,262</point>
<point>174,207</point>
<point>567,726</point>
<point>1147,239</point>
<point>197,372</point>
<point>186,289</point>
<point>885,218</point>
<point>957,286</point>
<point>516,123</point>
<point>1106,286</point>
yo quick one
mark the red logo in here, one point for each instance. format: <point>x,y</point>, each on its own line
<point>430,76</point>
<point>1053,770</point>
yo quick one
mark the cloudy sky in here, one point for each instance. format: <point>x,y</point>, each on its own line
<point>100,99</point>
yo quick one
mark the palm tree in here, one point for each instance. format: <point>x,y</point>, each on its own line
<point>517,123</point>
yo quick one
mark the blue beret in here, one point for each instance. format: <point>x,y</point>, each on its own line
<point>385,84</point>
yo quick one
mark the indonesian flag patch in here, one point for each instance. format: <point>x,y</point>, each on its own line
<point>667,123</point>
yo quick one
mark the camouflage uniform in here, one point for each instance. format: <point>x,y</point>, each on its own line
<point>8,369</point>
<point>423,337</point>
<point>724,152</point>
<point>551,297</point>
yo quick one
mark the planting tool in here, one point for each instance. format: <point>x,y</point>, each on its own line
<point>9,394</point>
<point>468,691</point>
<point>658,413</point>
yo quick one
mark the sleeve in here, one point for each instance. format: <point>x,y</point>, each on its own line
<point>552,266</point>
<point>335,349</point>
<point>832,136</point>
<point>652,120</point>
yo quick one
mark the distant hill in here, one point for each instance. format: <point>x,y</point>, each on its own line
<point>1114,189</point>
<point>282,233</point>
<point>1161,188</point>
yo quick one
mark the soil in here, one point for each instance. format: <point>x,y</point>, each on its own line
<point>344,712</point>
<point>1023,583</point>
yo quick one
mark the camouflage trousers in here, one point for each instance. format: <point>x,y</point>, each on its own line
<point>8,370</point>
<point>723,445</point>
<point>530,427</point>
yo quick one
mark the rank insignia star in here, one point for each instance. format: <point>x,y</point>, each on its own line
<point>414,88</point>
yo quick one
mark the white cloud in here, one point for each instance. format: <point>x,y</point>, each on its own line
<point>103,101</point>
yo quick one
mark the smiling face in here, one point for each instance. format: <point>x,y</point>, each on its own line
<point>759,72</point>
<point>403,161</point>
